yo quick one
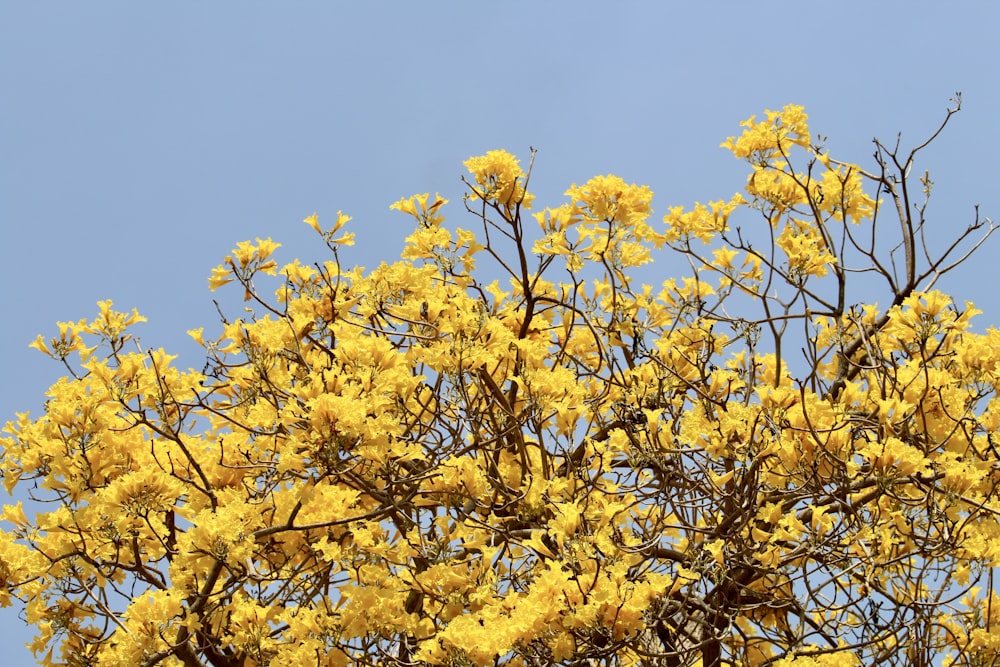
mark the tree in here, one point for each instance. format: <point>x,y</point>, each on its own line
<point>543,461</point>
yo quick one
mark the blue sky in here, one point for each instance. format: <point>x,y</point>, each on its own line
<point>140,141</point>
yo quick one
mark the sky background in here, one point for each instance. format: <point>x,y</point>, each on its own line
<point>140,141</point>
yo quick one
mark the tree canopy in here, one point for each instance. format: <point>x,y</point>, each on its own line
<point>525,445</point>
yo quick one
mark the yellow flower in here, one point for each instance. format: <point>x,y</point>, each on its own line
<point>313,221</point>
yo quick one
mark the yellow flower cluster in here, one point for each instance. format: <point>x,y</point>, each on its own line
<point>499,179</point>
<point>702,222</point>
<point>805,249</point>
<point>764,141</point>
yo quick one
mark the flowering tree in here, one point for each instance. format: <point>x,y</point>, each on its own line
<point>543,461</point>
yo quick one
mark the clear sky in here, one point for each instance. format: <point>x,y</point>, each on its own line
<point>140,141</point>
